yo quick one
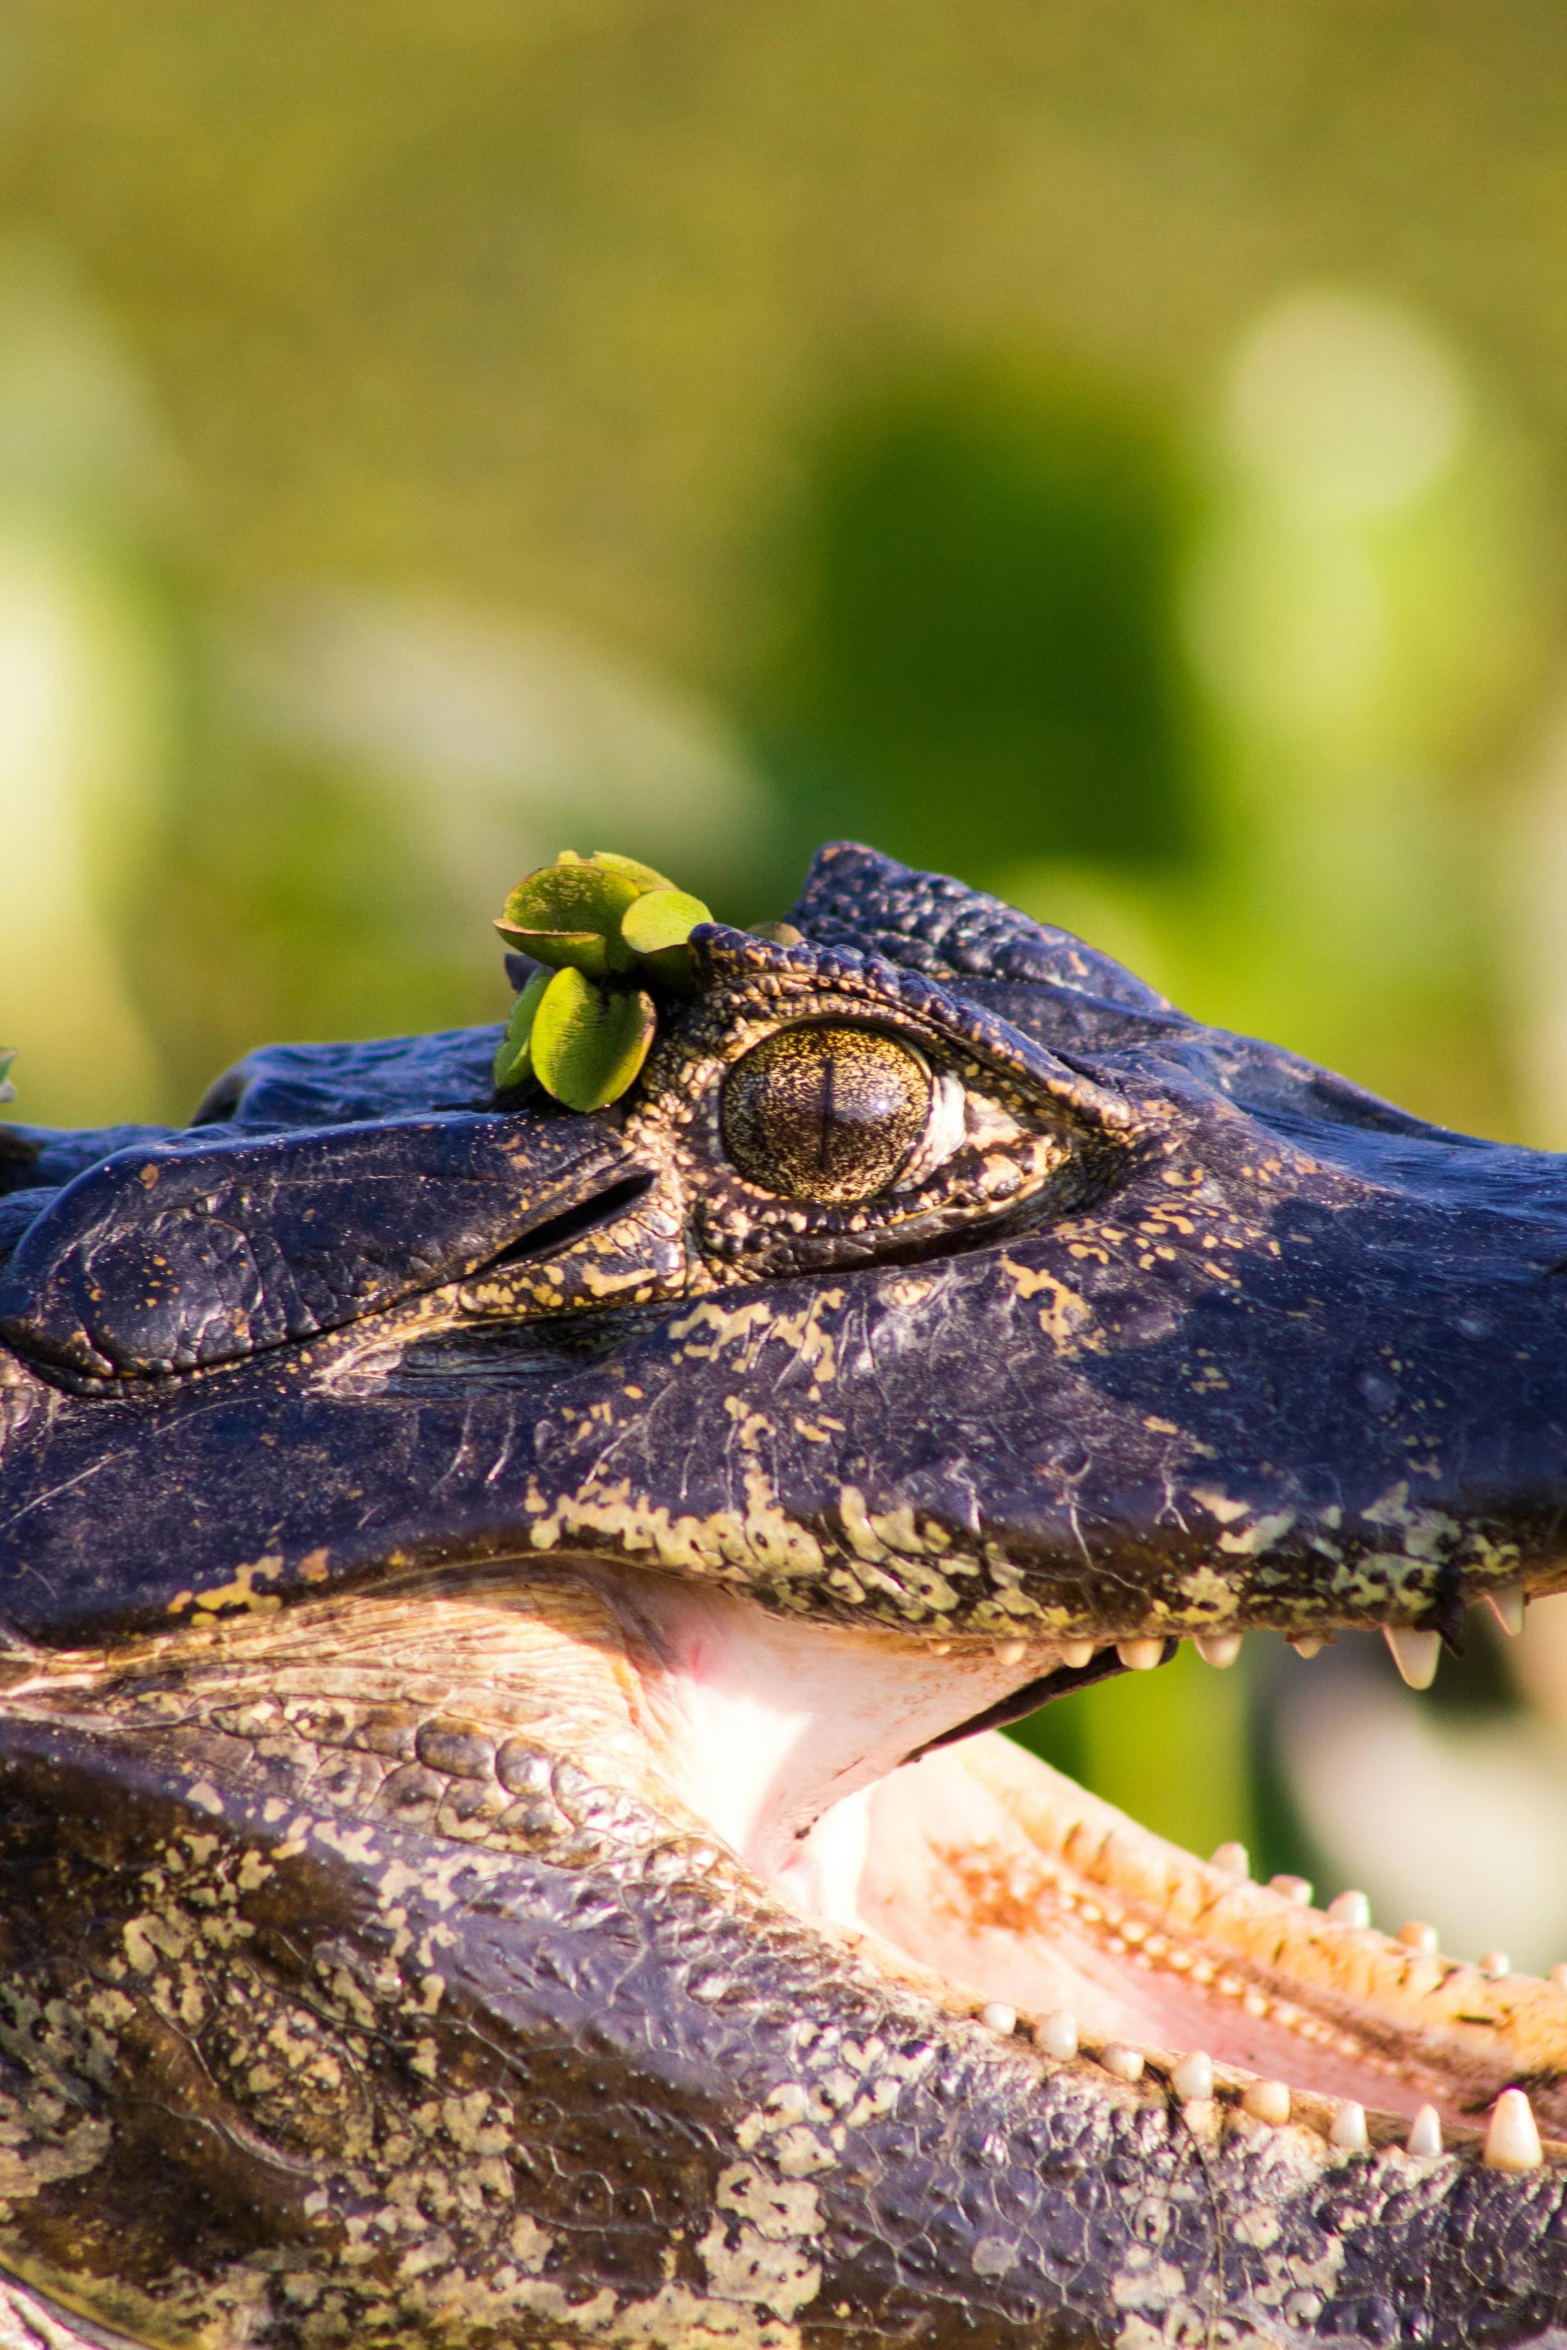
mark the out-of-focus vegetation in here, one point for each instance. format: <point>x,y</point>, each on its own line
<point>979,659</point>
<point>1112,452</point>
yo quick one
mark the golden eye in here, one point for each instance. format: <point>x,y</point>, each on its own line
<point>831,1114</point>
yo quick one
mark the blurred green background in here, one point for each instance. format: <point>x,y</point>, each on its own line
<point>1112,452</point>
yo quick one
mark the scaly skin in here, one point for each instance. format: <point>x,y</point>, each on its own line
<point>370,1966</point>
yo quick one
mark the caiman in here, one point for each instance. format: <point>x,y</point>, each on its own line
<point>506,1612</point>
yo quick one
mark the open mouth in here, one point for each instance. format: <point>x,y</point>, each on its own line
<point>451,1701</point>
<point>1049,1913</point>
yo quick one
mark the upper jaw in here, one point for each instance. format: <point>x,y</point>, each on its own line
<point>1287,1358</point>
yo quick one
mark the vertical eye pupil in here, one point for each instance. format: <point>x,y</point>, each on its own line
<point>826,1113</point>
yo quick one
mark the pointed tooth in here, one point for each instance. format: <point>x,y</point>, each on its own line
<point>1557,1977</point>
<point>1415,1934</point>
<point>1268,2101</point>
<point>1056,2034</point>
<point>1508,1609</point>
<point>1233,1859</point>
<point>1348,2133</point>
<point>1192,2079</point>
<point>1140,1656</point>
<point>1414,1653</point>
<point>1425,2132</point>
<point>1306,1645</point>
<point>1293,1889</point>
<point>1495,1963</point>
<point>1125,2063</point>
<point>1218,1648</point>
<point>1350,1909</point>
<point>1512,2142</point>
<point>996,2016</point>
<point>1011,1652</point>
<point>1077,1653</point>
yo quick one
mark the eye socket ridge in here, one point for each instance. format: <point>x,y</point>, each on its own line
<point>829,1111</point>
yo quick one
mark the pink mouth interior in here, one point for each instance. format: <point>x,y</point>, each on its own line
<point>1012,1885</point>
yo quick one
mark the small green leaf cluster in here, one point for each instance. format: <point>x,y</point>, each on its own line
<point>606,929</point>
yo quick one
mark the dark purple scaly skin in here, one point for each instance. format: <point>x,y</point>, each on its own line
<point>404,2004</point>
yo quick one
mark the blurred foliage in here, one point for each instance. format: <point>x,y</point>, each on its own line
<point>982,663</point>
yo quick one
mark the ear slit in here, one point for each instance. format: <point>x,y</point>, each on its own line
<point>544,1239</point>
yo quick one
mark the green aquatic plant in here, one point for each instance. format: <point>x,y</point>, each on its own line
<point>607,930</point>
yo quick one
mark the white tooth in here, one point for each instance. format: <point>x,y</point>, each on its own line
<point>996,2016</point>
<point>1348,2133</point>
<point>1140,1656</point>
<point>1268,2101</point>
<point>1126,2063</point>
<point>1192,2078</point>
<point>1218,1648</point>
<point>1293,1889</point>
<point>1425,2132</point>
<point>1350,1909</point>
<point>1494,1962</point>
<point>1078,1653</point>
<point>1011,1652</point>
<point>1512,2142</point>
<point>1233,1859</point>
<point>1558,1977</point>
<point>1056,2034</point>
<point>1508,1608</point>
<point>1416,1935</point>
<point>1304,1645</point>
<point>1414,1653</point>
<point>941,1648</point>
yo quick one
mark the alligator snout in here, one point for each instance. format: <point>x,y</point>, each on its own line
<point>203,1250</point>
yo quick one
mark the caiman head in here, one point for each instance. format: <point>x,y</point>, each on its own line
<point>501,1608</point>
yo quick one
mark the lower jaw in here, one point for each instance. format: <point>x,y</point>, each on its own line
<point>1000,1886</point>
<point>1037,1900</point>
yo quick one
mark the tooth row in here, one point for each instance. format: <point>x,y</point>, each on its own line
<point>1351,1908</point>
<point>1512,2139</point>
<point>1416,1653</point>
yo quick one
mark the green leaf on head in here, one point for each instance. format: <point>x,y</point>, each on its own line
<point>657,928</point>
<point>514,1059</point>
<point>602,926</point>
<point>587,1043</point>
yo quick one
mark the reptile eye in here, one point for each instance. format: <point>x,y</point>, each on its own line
<point>824,1113</point>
